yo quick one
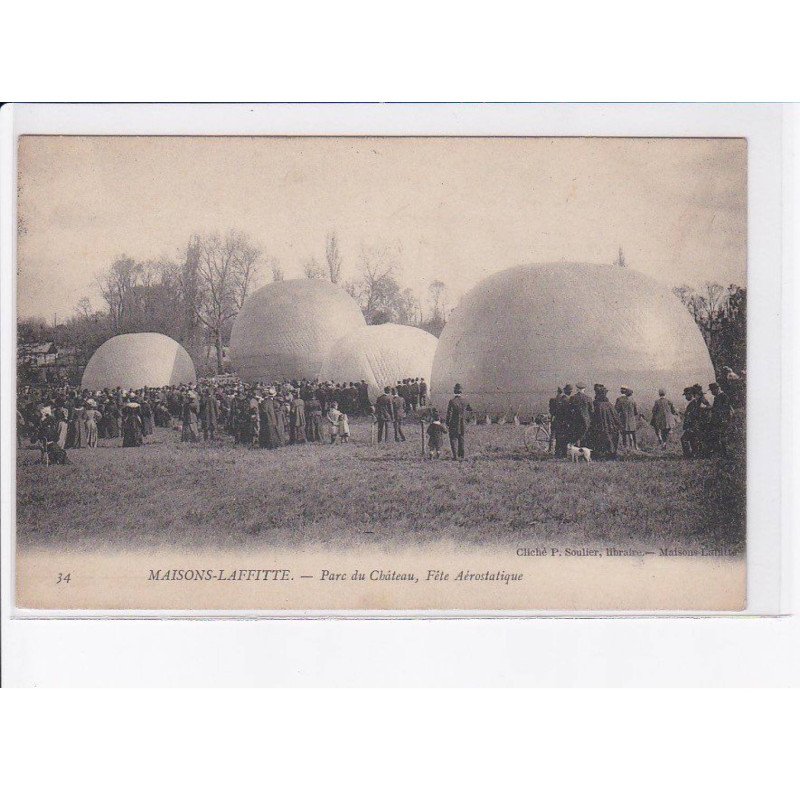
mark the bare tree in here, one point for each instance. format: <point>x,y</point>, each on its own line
<point>116,285</point>
<point>437,292</point>
<point>333,258</point>
<point>84,309</point>
<point>377,290</point>
<point>273,265</point>
<point>705,305</point>
<point>225,272</point>
<point>312,269</point>
<point>721,314</point>
<point>437,300</point>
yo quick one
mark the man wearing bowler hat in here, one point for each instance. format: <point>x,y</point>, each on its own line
<point>456,422</point>
<point>384,411</point>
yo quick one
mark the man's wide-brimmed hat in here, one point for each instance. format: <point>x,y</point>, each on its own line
<point>568,387</point>
<point>457,389</point>
<point>580,385</point>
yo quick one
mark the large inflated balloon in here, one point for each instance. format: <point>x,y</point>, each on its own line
<point>381,355</point>
<point>134,360</point>
<point>523,332</point>
<point>286,329</point>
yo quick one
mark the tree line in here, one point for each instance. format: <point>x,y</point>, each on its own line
<point>195,298</point>
<point>720,313</point>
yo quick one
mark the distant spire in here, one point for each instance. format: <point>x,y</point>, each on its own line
<point>620,262</point>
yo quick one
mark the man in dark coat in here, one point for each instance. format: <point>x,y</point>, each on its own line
<point>457,422</point>
<point>581,415</point>
<point>423,392</point>
<point>363,397</point>
<point>384,411</point>
<point>399,405</point>
<point>413,392</point>
<point>690,439</point>
<point>605,425</point>
<point>269,422</point>
<point>721,413</point>
<point>563,421</point>
<point>402,390</point>
<point>313,420</point>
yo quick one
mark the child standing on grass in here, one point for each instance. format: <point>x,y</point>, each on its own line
<point>344,428</point>
<point>436,431</point>
<point>333,419</point>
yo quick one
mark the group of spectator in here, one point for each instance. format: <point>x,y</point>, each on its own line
<point>271,415</point>
<point>606,428</point>
<point>705,425</point>
<point>258,415</point>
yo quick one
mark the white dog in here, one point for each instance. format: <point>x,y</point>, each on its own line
<point>578,453</point>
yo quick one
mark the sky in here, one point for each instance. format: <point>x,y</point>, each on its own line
<point>460,208</point>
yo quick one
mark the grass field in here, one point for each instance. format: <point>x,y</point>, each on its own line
<point>218,494</point>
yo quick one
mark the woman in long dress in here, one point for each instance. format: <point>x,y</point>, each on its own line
<point>297,416</point>
<point>147,417</point>
<point>280,420</point>
<point>77,425</point>
<point>131,426</point>
<point>191,408</point>
<point>92,418</point>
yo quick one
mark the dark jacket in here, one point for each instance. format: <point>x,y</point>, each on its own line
<point>605,427</point>
<point>721,410</point>
<point>664,414</point>
<point>580,414</point>
<point>559,411</point>
<point>384,409</point>
<point>457,416</point>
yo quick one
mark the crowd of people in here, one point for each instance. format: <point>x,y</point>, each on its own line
<point>605,428</point>
<point>271,415</point>
<point>257,415</point>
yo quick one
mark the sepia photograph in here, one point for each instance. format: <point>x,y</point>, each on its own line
<point>381,373</point>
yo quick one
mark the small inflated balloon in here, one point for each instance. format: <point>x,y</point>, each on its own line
<point>135,360</point>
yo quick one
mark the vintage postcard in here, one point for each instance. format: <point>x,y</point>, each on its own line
<point>381,373</point>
